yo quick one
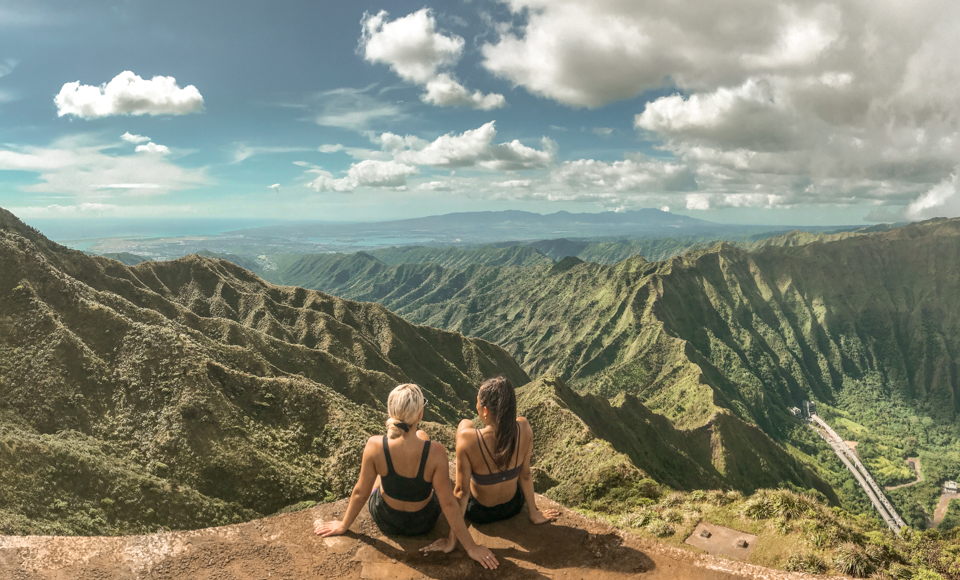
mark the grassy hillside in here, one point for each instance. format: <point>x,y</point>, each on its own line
<point>863,321</point>
<point>191,393</point>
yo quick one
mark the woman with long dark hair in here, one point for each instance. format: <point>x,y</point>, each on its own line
<point>493,463</point>
<point>411,479</point>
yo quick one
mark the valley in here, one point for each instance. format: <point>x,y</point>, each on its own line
<point>183,394</point>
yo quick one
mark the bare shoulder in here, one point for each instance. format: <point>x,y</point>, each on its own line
<point>466,439</point>
<point>524,425</point>
<point>373,442</point>
<point>437,449</point>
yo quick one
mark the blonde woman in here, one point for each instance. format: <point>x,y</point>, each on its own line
<point>493,464</point>
<point>408,476</point>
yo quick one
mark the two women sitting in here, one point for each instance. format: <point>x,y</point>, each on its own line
<point>493,472</point>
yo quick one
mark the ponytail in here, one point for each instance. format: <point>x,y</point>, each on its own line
<point>497,395</point>
<point>403,407</point>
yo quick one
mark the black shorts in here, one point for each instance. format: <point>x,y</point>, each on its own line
<point>481,514</point>
<point>393,522</point>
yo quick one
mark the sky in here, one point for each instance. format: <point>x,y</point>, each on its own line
<point>742,111</point>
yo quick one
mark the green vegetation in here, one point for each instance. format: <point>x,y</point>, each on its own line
<point>952,518</point>
<point>191,393</point>
<point>726,339</point>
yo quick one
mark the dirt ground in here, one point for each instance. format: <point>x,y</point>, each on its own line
<point>284,547</point>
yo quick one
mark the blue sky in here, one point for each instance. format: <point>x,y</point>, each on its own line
<point>752,112</point>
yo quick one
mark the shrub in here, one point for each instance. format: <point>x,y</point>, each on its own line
<point>717,497</point>
<point>759,507</point>
<point>810,563</point>
<point>852,560</point>
<point>898,571</point>
<point>647,487</point>
<point>660,528</point>
<point>672,515</point>
<point>638,519</point>
<point>672,500</point>
<point>782,526</point>
<point>697,495</point>
<point>733,496</point>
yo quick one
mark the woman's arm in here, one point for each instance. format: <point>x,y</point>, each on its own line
<point>461,492</point>
<point>360,495</point>
<point>451,509</point>
<point>526,480</point>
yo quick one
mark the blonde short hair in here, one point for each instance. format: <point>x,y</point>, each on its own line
<point>403,407</point>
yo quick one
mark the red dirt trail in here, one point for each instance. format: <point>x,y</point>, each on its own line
<point>284,547</point>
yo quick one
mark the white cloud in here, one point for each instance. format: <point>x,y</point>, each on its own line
<point>130,138</point>
<point>474,147</point>
<point>242,151</point>
<point>435,186</point>
<point>367,173</point>
<point>941,201</point>
<point>602,131</point>
<point>413,48</point>
<point>789,103</point>
<point>275,187</point>
<point>330,148</point>
<point>128,94</point>
<point>80,166</point>
<point>512,183</point>
<point>352,108</point>
<point>644,176</point>
<point>153,149</point>
<point>591,52</point>
<point>443,91</point>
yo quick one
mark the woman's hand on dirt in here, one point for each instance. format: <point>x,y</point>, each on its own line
<point>445,545</point>
<point>334,528</point>
<point>483,555</point>
<point>542,517</point>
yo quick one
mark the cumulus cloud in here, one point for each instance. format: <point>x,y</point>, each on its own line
<point>560,52</point>
<point>130,138</point>
<point>443,91</point>
<point>513,183</point>
<point>834,102</point>
<point>435,186</point>
<point>80,166</point>
<point>367,173</point>
<point>275,188</point>
<point>471,148</point>
<point>153,149</point>
<point>128,94</point>
<point>417,52</point>
<point>941,200</point>
<point>646,176</point>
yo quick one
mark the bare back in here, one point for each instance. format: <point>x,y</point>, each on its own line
<point>405,455</point>
<point>469,448</point>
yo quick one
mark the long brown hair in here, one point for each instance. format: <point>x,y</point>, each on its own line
<point>498,396</point>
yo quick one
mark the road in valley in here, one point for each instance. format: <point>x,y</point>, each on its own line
<point>860,473</point>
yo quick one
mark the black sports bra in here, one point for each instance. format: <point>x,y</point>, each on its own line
<point>493,478</point>
<point>406,488</point>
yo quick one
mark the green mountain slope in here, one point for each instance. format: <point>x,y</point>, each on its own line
<point>191,393</point>
<point>861,321</point>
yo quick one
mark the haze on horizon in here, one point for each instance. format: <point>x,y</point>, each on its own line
<point>840,112</point>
